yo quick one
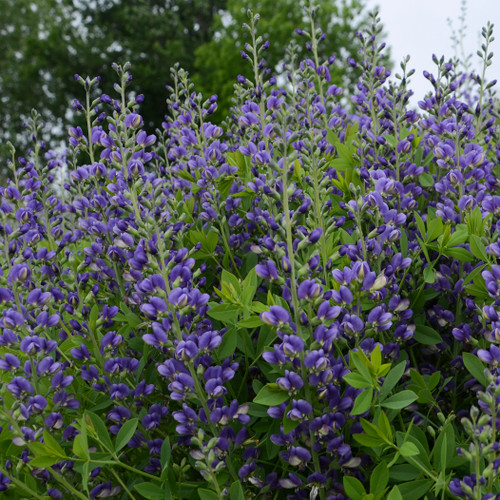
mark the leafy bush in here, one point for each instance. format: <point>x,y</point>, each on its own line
<point>302,304</point>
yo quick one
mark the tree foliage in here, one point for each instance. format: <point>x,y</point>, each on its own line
<point>45,42</point>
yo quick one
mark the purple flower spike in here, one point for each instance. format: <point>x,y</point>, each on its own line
<point>276,316</point>
<point>267,271</point>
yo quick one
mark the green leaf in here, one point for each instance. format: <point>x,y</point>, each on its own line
<point>228,344</point>
<point>80,446</point>
<point>271,395</point>
<point>459,253</point>
<point>384,426</point>
<point>353,487</point>
<point>249,287</point>
<point>94,314</point>
<point>400,400</point>
<point>458,237</point>
<point>427,335</point>
<point>259,307</point>
<point>362,402</point>
<point>251,322</point>
<point>126,433</point>
<point>236,491</point>
<point>226,313</point>
<point>52,444</point>
<point>474,274</point>
<point>408,449</point>
<point>403,241</point>
<point>165,453</point>
<point>151,491</point>
<point>434,228</point>
<point>379,478</point>
<point>394,494</point>
<point>475,367</point>
<point>477,248</point>
<point>446,445</point>
<point>44,461</point>
<point>393,377</point>
<point>357,380</point>
<point>420,225</point>
<point>403,472</point>
<point>100,429</point>
<point>232,281</point>
<point>429,276</point>
<point>207,494</point>
<point>426,180</point>
<point>415,489</point>
<point>369,441</point>
<point>289,425</point>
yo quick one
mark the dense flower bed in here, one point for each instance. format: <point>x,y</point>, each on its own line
<point>303,303</point>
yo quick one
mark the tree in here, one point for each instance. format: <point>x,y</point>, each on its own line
<point>218,62</point>
<point>45,42</point>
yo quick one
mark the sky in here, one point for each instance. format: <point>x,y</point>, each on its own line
<point>420,28</point>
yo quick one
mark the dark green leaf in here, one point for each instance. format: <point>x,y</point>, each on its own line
<point>207,494</point>
<point>400,400</point>
<point>475,367</point>
<point>271,395</point>
<point>151,491</point>
<point>236,491</point>
<point>427,335</point>
<point>44,461</point>
<point>165,453</point>
<point>415,489</point>
<point>126,433</point>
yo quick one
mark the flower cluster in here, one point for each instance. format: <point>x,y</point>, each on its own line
<point>294,304</point>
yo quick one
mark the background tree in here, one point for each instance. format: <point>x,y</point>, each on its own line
<point>45,42</point>
<point>218,62</point>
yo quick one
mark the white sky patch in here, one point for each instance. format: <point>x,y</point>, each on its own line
<point>420,29</point>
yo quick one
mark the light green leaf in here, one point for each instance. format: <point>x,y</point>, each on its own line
<point>393,377</point>
<point>394,494</point>
<point>362,402</point>
<point>353,487</point>
<point>408,449</point>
